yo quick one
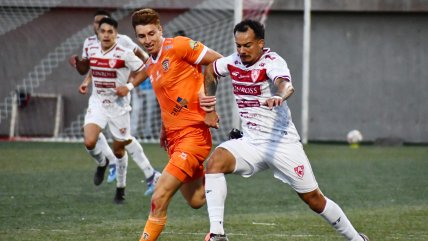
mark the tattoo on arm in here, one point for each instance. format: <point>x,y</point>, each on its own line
<point>210,81</point>
<point>285,88</point>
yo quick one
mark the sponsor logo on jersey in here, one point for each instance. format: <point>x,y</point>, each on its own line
<point>247,103</point>
<point>107,63</point>
<point>300,171</point>
<point>194,44</point>
<point>247,115</point>
<point>243,75</point>
<point>254,90</point>
<point>104,74</point>
<point>165,65</point>
<point>104,84</point>
<point>182,103</point>
<point>267,56</point>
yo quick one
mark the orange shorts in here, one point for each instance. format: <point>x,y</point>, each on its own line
<point>188,148</point>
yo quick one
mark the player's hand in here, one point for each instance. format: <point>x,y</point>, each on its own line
<point>207,103</point>
<point>273,102</point>
<point>73,60</point>
<point>212,119</point>
<point>122,91</point>
<point>83,89</point>
<point>163,140</point>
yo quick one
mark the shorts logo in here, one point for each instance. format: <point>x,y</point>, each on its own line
<point>183,156</point>
<point>165,65</point>
<point>194,44</point>
<point>122,131</point>
<point>300,171</point>
<point>112,63</point>
<point>146,236</point>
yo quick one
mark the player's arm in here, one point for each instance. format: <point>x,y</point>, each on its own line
<point>284,90</point>
<point>81,65</point>
<point>207,99</point>
<point>209,57</point>
<point>141,54</point>
<point>83,88</point>
<point>138,78</point>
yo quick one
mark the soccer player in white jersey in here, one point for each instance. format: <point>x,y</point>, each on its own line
<point>134,148</point>
<point>111,65</point>
<point>261,84</point>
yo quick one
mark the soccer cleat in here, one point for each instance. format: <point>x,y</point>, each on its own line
<point>365,238</point>
<point>119,198</point>
<point>151,183</point>
<point>216,237</point>
<point>111,173</point>
<point>99,173</point>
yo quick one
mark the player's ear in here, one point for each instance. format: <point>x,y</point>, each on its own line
<point>261,43</point>
<point>160,28</point>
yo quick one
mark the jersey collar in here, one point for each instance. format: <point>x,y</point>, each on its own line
<point>159,54</point>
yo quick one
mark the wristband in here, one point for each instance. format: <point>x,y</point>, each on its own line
<point>277,97</point>
<point>130,86</point>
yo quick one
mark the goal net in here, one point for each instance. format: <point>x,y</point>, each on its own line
<point>210,22</point>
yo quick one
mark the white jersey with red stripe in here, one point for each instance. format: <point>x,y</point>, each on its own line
<point>121,39</point>
<point>109,70</point>
<point>252,86</point>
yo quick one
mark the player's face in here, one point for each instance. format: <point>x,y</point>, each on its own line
<point>249,48</point>
<point>96,23</point>
<point>107,36</point>
<point>150,37</point>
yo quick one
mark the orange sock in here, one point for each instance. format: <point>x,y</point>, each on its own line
<point>153,228</point>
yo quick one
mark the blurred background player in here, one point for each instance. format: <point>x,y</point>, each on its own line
<point>134,148</point>
<point>174,70</point>
<point>261,84</point>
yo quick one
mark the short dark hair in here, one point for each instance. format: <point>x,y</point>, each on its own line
<point>257,27</point>
<point>109,21</point>
<point>102,12</point>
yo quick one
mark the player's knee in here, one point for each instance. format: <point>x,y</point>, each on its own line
<point>315,200</point>
<point>220,161</point>
<point>90,143</point>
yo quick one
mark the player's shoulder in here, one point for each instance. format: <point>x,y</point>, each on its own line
<point>90,40</point>
<point>186,42</point>
<point>269,55</point>
<point>124,38</point>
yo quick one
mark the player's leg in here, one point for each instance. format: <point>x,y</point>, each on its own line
<point>136,151</point>
<point>108,153</point>
<point>95,121</point>
<point>164,191</point>
<point>122,167</point>
<point>292,166</point>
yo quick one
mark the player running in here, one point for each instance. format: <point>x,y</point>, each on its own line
<point>174,68</point>
<point>134,148</point>
<point>261,84</point>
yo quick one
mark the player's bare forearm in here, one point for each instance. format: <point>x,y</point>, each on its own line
<point>83,88</point>
<point>82,66</point>
<point>285,88</point>
<point>210,81</point>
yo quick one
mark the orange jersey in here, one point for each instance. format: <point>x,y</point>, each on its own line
<point>177,79</point>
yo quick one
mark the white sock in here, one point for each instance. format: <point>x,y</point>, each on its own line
<point>334,215</point>
<point>105,148</point>
<point>136,151</point>
<point>216,192</point>
<point>97,155</point>
<point>121,169</point>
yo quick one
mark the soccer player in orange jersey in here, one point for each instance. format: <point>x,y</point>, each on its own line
<point>174,68</point>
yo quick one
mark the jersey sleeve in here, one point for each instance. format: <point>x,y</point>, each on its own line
<point>85,49</point>
<point>278,68</point>
<point>127,42</point>
<point>133,62</point>
<point>220,66</point>
<point>190,50</point>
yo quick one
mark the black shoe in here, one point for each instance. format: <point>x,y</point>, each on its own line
<point>365,238</point>
<point>119,198</point>
<point>99,173</point>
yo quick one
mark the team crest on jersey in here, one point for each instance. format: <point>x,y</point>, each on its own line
<point>255,74</point>
<point>300,171</point>
<point>112,63</point>
<point>165,65</point>
<point>194,44</point>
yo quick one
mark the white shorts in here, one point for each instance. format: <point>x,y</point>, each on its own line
<point>287,160</point>
<point>120,126</point>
